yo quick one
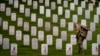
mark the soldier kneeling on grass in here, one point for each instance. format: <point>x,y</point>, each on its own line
<point>81,35</point>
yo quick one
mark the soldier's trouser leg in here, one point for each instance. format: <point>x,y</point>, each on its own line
<point>80,44</point>
<point>77,37</point>
<point>80,48</point>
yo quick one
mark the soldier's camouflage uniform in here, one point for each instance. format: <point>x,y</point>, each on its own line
<point>80,36</point>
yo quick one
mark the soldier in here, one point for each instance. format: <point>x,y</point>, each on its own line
<point>81,35</point>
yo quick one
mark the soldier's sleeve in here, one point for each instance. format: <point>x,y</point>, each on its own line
<point>84,28</point>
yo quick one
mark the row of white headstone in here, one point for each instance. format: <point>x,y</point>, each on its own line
<point>16,2</point>
<point>48,11</point>
<point>47,26</point>
<point>53,4</point>
<point>34,31</point>
<point>42,1</point>
<point>48,14</point>
<point>69,49</point>
<point>41,33</point>
<point>63,38</point>
<point>29,2</point>
<point>63,35</point>
<point>44,47</point>
<point>55,16</point>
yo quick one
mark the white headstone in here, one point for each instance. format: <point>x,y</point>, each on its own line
<point>53,5</point>
<point>59,1</point>
<point>65,3</point>
<point>85,44</point>
<point>76,2</point>
<point>67,13</point>
<point>87,14</point>
<point>26,39</point>
<point>27,12</point>
<point>58,44</point>
<point>13,16</point>
<point>60,10</point>
<point>11,1</point>
<point>98,11</point>
<point>90,6</point>
<point>33,30</point>
<point>13,49</point>
<point>46,2</point>
<point>98,39</point>
<point>55,30</point>
<point>55,18</point>
<point>73,39</point>
<point>96,18</point>
<point>40,22</point>
<point>2,7</point>
<point>83,4</point>
<point>89,35</point>
<point>44,49</point>
<point>8,11</point>
<point>33,17</point>
<point>41,35</point>
<point>23,0</point>
<point>62,23</point>
<point>49,40</point>
<point>69,49</point>
<point>26,26</point>
<point>47,26</point>
<point>5,43</point>
<point>79,10</point>
<point>20,22</point>
<point>70,26</point>
<point>34,43</point>
<point>0,21</point>
<point>29,2</point>
<point>48,13</point>
<point>21,8</point>
<point>83,22</point>
<point>11,30</point>
<point>18,35</point>
<point>41,1</point>
<point>41,9</point>
<point>72,6</point>
<point>35,4</point>
<point>92,26</point>
<point>1,39</point>
<point>75,18</point>
<point>5,25</point>
<point>16,3</point>
<point>95,49</point>
<point>63,35</point>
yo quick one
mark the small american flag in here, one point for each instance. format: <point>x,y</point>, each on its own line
<point>45,50</point>
<point>96,49</point>
<point>69,49</point>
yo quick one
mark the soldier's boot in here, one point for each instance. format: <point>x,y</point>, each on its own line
<point>83,53</point>
<point>78,47</point>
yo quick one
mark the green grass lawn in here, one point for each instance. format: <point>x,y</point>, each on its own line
<point>27,50</point>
